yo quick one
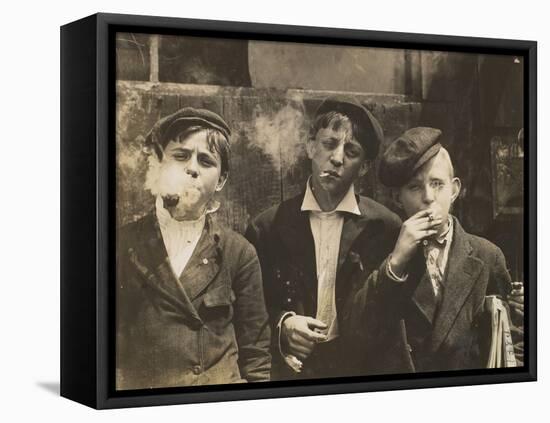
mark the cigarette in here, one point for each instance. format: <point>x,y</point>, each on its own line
<point>324,174</point>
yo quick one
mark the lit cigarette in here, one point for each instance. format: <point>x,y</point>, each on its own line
<point>324,174</point>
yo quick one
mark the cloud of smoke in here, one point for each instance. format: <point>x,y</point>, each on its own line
<point>170,181</point>
<point>279,133</point>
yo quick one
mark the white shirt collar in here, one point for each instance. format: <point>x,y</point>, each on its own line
<point>348,203</point>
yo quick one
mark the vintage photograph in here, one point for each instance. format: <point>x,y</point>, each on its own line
<point>296,211</point>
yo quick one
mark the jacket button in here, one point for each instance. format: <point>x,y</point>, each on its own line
<point>288,300</point>
<point>197,370</point>
<point>287,283</point>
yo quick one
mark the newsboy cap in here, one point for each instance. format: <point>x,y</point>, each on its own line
<point>170,126</point>
<point>370,134</point>
<point>408,153</point>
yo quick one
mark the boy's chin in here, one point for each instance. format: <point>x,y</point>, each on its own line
<point>180,214</point>
<point>332,186</point>
<point>181,208</point>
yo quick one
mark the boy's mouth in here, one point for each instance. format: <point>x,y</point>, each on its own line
<point>170,200</point>
<point>327,173</point>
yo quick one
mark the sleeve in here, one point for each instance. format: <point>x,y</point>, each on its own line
<point>376,302</point>
<point>251,322</point>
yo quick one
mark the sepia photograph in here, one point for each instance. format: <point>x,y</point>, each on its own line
<point>297,211</point>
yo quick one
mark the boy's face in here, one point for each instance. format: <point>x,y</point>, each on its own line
<point>189,174</point>
<point>337,159</point>
<point>432,187</point>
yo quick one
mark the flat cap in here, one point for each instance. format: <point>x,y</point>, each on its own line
<point>408,153</point>
<point>170,126</point>
<point>370,134</point>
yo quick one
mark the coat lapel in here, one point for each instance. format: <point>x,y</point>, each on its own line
<point>204,264</point>
<point>150,259</point>
<point>353,226</point>
<point>295,232</point>
<point>424,298</point>
<point>463,270</point>
<point>360,233</point>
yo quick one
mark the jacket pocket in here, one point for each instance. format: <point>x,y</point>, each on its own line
<point>217,309</point>
<point>222,295</point>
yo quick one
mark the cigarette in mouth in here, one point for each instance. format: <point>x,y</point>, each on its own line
<point>324,174</point>
<point>170,200</point>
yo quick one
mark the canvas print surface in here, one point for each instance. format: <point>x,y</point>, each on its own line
<point>290,211</point>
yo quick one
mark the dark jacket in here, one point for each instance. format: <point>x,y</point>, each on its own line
<point>208,327</point>
<point>401,326</point>
<point>284,242</point>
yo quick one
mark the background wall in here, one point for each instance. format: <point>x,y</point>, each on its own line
<point>29,311</point>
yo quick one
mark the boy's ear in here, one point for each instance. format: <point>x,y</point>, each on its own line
<point>310,147</point>
<point>456,186</point>
<point>365,166</point>
<point>396,197</point>
<point>221,181</point>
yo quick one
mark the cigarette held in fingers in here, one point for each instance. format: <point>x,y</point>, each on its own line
<point>294,363</point>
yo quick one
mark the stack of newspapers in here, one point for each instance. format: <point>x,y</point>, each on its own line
<point>501,353</point>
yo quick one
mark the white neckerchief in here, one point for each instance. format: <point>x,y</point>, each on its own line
<point>180,237</point>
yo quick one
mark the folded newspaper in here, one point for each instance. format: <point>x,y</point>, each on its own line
<point>501,352</point>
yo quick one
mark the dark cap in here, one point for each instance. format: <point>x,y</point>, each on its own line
<point>170,126</point>
<point>370,134</point>
<point>408,153</point>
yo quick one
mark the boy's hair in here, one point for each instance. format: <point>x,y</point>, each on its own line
<point>443,151</point>
<point>217,142</point>
<point>335,120</point>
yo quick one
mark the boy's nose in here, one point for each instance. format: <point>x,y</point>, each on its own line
<point>337,157</point>
<point>191,172</point>
<point>428,196</point>
<point>192,167</point>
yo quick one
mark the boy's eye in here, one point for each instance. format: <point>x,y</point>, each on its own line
<point>353,152</point>
<point>181,155</point>
<point>207,161</point>
<point>437,184</point>
<point>329,144</point>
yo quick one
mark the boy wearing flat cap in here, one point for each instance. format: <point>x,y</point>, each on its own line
<point>426,305</point>
<point>190,308</point>
<point>313,246</point>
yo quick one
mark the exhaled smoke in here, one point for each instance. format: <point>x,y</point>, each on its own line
<point>180,190</point>
<point>278,134</point>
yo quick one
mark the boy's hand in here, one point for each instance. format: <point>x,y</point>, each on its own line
<point>414,230</point>
<point>299,335</point>
<point>515,298</point>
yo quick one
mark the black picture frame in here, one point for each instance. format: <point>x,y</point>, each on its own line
<point>88,198</point>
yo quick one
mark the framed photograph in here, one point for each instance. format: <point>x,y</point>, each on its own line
<point>259,211</point>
